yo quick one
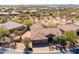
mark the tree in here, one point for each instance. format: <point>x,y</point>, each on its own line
<point>61,40</point>
<point>27,23</point>
<point>28,49</point>
<point>70,36</point>
<point>3,32</point>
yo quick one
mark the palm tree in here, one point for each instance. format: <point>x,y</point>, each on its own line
<point>28,49</point>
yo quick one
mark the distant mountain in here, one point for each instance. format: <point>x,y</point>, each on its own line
<point>61,5</point>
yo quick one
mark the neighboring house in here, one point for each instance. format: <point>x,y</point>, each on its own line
<point>10,25</point>
<point>4,13</point>
<point>9,13</point>
<point>67,27</point>
<point>14,13</point>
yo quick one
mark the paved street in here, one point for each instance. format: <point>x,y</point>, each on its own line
<point>9,51</point>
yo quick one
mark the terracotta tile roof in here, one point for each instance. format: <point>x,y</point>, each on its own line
<point>43,32</point>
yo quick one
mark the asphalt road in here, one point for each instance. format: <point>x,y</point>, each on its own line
<point>7,51</point>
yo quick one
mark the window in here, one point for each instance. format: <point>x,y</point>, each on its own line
<point>78,33</point>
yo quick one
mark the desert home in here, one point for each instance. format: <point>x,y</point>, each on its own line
<point>38,33</point>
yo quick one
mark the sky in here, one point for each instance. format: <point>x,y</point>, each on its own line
<point>30,2</point>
